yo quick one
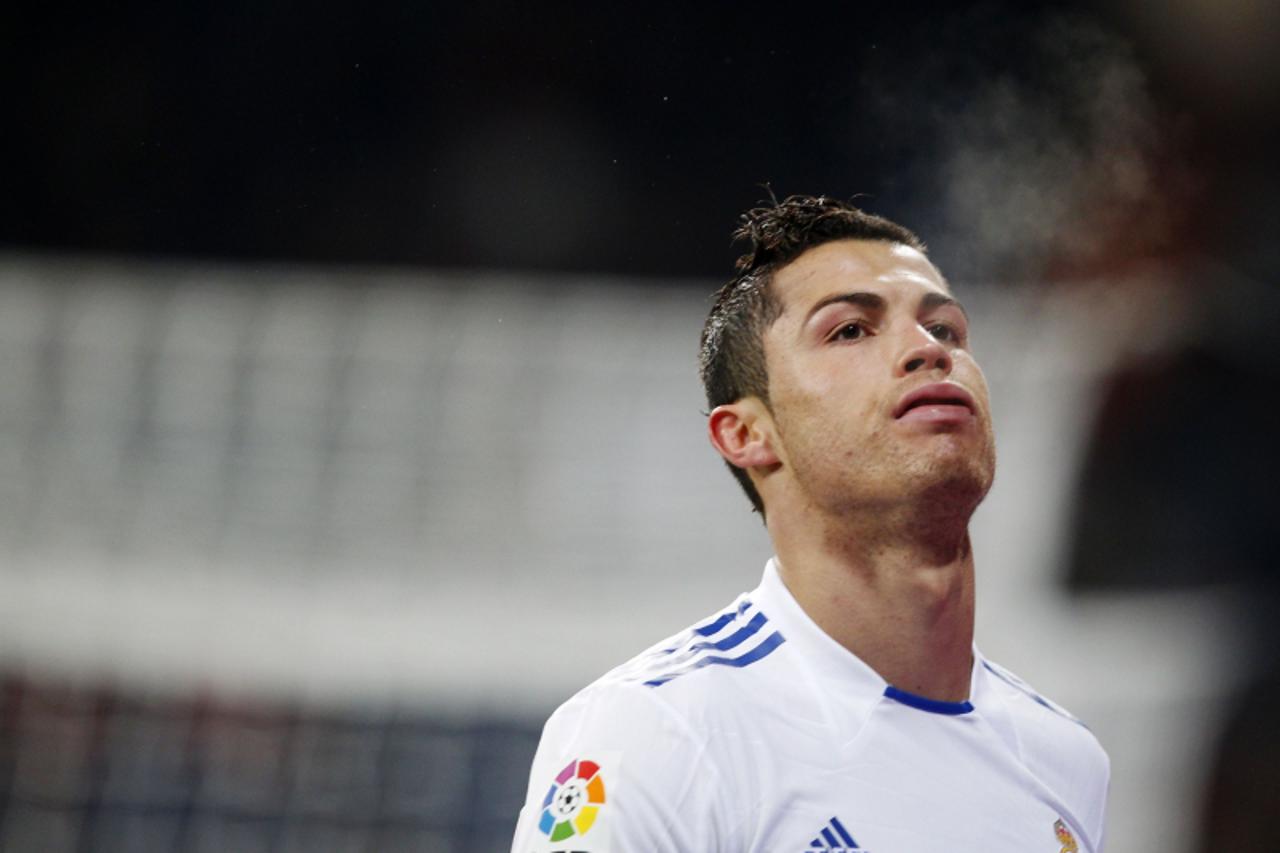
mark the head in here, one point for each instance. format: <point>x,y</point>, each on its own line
<point>731,359</point>
<point>762,366</point>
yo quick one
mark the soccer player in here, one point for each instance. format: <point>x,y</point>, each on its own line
<point>842,704</point>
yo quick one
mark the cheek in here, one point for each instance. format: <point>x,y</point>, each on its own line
<point>822,375</point>
<point>817,401</point>
<point>968,371</point>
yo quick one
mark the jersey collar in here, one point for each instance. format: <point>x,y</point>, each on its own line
<point>840,670</point>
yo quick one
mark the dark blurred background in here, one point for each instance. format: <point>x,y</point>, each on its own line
<point>1106,151</point>
<point>627,138</point>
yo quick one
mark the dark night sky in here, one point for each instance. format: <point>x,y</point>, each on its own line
<point>605,137</point>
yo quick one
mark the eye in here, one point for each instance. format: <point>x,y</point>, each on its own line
<point>849,332</point>
<point>944,332</point>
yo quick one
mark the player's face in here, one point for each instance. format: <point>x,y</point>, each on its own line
<point>874,393</point>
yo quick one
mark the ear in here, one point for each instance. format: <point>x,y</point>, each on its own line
<point>742,432</point>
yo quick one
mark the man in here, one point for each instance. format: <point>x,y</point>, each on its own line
<point>842,704</point>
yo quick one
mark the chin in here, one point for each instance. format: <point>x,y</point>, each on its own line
<point>962,490</point>
<point>960,479</point>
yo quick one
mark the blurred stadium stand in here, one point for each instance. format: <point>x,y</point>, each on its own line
<point>299,560</point>
<point>98,769</point>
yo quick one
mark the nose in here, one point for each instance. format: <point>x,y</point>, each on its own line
<point>924,352</point>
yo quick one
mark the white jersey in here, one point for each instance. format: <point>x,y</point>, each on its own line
<point>755,731</point>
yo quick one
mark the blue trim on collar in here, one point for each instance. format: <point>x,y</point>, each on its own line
<point>933,706</point>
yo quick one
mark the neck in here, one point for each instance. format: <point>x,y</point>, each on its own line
<point>898,593</point>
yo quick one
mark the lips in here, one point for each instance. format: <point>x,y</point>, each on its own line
<point>936,394</point>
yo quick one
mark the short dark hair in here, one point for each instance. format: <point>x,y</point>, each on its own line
<point>731,357</point>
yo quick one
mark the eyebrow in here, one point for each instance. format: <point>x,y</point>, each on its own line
<point>876,302</point>
<point>870,301</point>
<point>936,300</point>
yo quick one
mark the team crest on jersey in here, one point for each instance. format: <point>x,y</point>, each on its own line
<point>573,804</point>
<point>1065,837</point>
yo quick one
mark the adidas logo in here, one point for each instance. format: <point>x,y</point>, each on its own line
<point>833,838</point>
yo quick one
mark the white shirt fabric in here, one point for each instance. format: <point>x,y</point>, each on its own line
<point>755,731</point>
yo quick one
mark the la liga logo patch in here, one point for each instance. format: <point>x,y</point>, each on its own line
<point>573,802</point>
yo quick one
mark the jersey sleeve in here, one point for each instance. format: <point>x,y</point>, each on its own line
<point>1079,768</point>
<point>619,771</point>
<point>1097,807</point>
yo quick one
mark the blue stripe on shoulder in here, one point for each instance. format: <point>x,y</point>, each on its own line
<point>709,628</point>
<point>725,618</point>
<point>756,653</point>
<point>1014,681</point>
<point>736,638</point>
<point>687,650</point>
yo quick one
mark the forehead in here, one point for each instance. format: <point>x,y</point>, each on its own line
<point>891,269</point>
